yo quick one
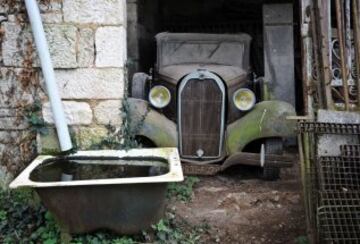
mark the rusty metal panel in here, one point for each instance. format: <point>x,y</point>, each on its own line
<point>279,50</point>
<point>201,102</point>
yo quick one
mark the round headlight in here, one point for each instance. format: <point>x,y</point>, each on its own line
<point>244,99</point>
<point>159,96</point>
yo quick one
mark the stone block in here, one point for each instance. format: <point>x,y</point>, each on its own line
<point>88,137</point>
<point>13,123</point>
<point>84,137</point>
<point>86,51</point>
<point>48,144</point>
<point>47,6</point>
<point>17,87</point>
<point>109,12</point>
<point>91,83</point>
<point>110,47</point>
<point>77,113</point>
<point>108,112</point>
<point>52,17</point>
<point>19,50</point>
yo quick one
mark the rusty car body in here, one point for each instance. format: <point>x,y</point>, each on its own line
<point>193,100</point>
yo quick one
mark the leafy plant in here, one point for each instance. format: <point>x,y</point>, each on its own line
<point>302,240</point>
<point>33,116</point>
<point>102,238</point>
<point>182,191</point>
<point>123,138</point>
<point>49,233</point>
<point>170,231</point>
<point>20,216</point>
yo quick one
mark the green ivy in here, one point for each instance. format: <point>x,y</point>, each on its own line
<point>33,117</point>
<point>122,138</point>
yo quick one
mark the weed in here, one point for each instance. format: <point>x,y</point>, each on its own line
<point>123,138</point>
<point>182,191</point>
<point>172,230</point>
<point>33,116</point>
<point>302,240</point>
<point>102,238</point>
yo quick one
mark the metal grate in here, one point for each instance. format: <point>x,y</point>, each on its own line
<point>339,173</point>
<point>350,150</point>
<point>333,186</point>
<point>201,120</point>
<point>329,128</point>
<point>339,199</point>
<point>192,169</point>
<point>338,212</point>
<point>339,224</point>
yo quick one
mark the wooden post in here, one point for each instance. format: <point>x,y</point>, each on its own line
<point>315,47</point>
<point>324,25</point>
<point>356,26</point>
<point>340,32</point>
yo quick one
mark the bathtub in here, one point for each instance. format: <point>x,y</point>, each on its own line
<point>120,191</point>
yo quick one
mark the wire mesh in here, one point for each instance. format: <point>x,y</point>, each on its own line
<point>339,224</point>
<point>350,150</point>
<point>339,173</point>
<point>332,186</point>
<point>339,199</point>
<point>338,212</point>
<point>329,128</point>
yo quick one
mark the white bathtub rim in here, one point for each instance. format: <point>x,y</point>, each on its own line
<point>175,173</point>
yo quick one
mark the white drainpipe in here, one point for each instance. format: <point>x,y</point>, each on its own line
<point>49,75</point>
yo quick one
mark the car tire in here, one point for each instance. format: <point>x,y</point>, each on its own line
<point>272,146</point>
<point>138,85</point>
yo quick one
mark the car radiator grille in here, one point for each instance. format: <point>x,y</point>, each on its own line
<point>201,119</point>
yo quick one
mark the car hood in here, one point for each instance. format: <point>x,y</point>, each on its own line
<point>229,74</point>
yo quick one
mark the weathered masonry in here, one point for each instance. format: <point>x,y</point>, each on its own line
<point>87,39</point>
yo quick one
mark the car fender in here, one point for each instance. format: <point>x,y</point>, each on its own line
<point>153,125</point>
<point>267,119</point>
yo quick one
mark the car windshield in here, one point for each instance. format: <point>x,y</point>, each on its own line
<point>231,50</point>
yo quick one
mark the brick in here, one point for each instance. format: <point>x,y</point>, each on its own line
<point>91,83</point>
<point>108,112</point>
<point>109,12</point>
<point>86,52</point>
<point>18,45</point>
<point>111,47</point>
<point>77,113</point>
<point>17,87</point>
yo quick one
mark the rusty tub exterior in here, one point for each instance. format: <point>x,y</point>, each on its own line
<point>125,205</point>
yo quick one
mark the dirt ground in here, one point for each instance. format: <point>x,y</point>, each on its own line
<point>241,208</point>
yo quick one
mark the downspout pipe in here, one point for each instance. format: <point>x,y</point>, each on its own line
<point>49,75</point>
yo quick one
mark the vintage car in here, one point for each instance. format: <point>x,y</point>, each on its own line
<point>201,98</point>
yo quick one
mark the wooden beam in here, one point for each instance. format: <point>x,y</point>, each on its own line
<point>340,22</point>
<point>356,26</point>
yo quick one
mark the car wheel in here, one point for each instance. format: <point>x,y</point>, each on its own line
<point>272,146</point>
<point>138,85</point>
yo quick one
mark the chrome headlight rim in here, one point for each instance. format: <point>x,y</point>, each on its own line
<point>251,105</point>
<point>155,104</point>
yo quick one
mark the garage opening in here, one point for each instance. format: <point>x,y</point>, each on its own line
<point>148,18</point>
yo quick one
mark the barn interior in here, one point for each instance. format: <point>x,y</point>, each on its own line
<point>148,18</point>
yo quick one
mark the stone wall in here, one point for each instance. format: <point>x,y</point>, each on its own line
<point>87,40</point>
